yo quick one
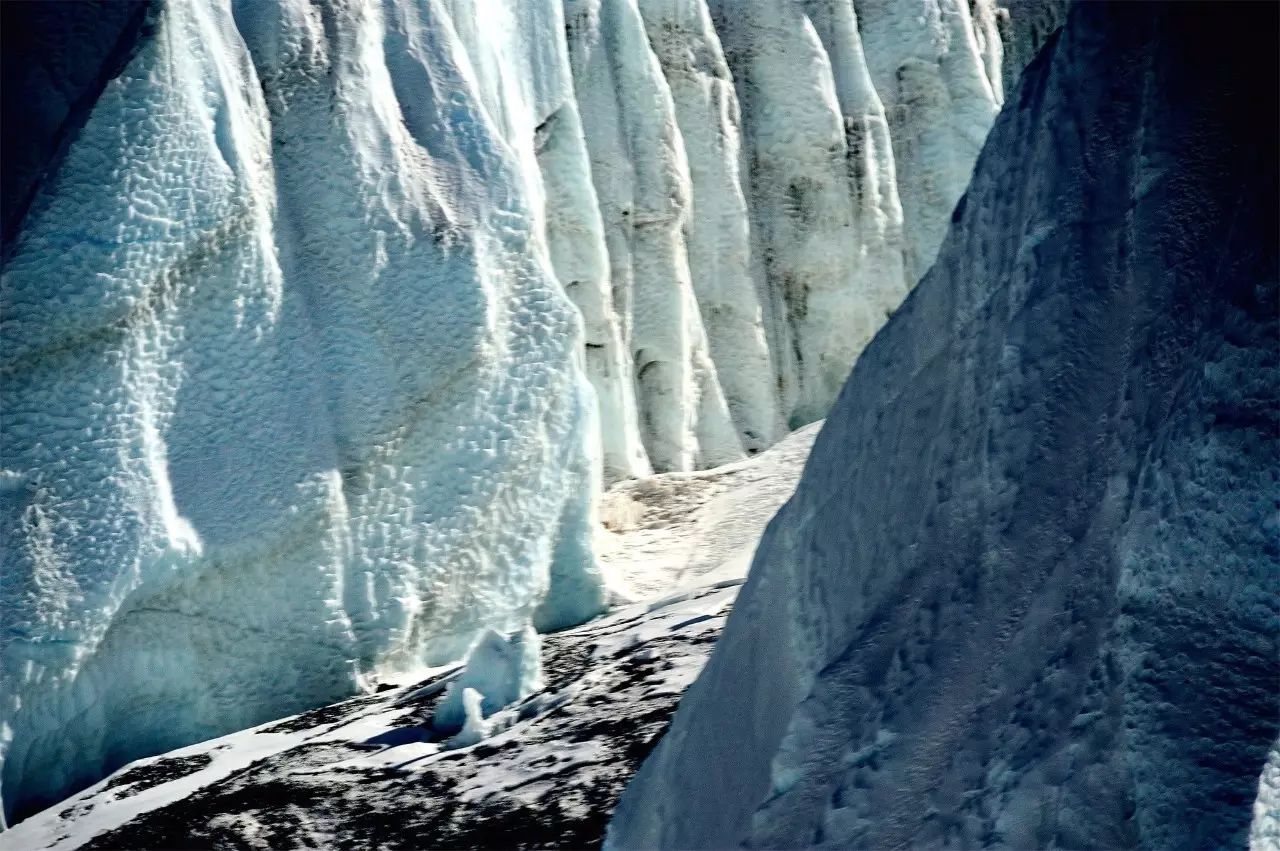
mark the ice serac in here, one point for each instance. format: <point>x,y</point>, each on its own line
<point>642,178</point>
<point>934,82</point>
<point>500,669</point>
<point>575,235</point>
<point>770,185</point>
<point>717,233</point>
<point>291,391</point>
<point>1025,593</point>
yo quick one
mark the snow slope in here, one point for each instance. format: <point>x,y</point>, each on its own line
<point>1026,592</point>
<point>373,773</point>
<point>320,322</point>
<point>675,530</point>
<point>385,770</point>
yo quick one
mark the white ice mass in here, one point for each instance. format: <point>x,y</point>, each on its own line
<point>321,323</point>
<point>1026,592</point>
<point>498,670</point>
<point>292,394</point>
<point>742,157</point>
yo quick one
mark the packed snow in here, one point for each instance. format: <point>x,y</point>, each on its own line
<point>512,749</point>
<point>676,530</point>
<point>1025,594</point>
<point>322,323</point>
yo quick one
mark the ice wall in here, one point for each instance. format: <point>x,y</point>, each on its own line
<point>1025,594</point>
<point>861,122</point>
<point>772,176</point>
<point>291,394</point>
<point>641,175</point>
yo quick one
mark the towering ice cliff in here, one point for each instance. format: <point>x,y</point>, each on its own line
<point>291,393</point>
<point>320,321</point>
<point>1025,594</point>
<point>642,176</point>
<point>862,121</point>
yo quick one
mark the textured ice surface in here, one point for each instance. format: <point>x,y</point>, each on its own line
<point>47,90</point>
<point>293,397</point>
<point>1023,27</point>
<point>861,122</point>
<point>291,394</point>
<point>1264,833</point>
<point>1025,594</point>
<point>498,670</point>
<point>769,188</point>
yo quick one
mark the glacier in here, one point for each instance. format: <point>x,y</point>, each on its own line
<point>322,324</point>
<point>750,162</point>
<point>1025,594</point>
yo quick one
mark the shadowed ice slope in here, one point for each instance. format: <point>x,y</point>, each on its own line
<point>1025,594</point>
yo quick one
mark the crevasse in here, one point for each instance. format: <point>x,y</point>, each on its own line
<point>320,323</point>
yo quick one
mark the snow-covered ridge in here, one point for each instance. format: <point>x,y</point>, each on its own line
<point>300,331</point>
<point>1025,594</point>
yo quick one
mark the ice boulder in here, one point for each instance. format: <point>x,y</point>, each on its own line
<point>497,672</point>
<point>1026,593</point>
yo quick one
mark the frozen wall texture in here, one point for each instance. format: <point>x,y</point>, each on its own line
<point>292,392</point>
<point>771,178</point>
<point>49,90</point>
<point>1025,594</point>
<point>321,320</point>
